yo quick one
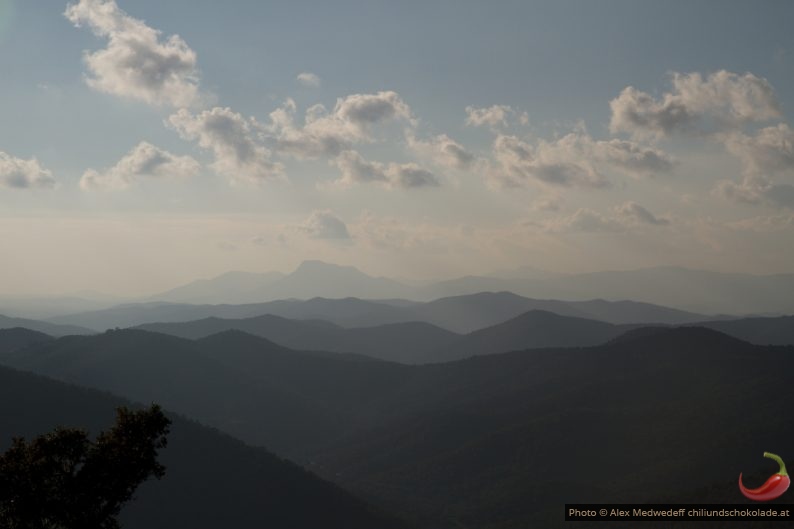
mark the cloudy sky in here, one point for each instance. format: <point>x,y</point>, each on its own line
<point>145,144</point>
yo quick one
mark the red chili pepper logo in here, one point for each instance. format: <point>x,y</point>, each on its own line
<point>776,485</point>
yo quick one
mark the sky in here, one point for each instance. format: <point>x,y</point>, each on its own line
<point>146,144</point>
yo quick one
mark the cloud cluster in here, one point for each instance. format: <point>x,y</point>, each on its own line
<point>137,63</point>
<point>355,169</point>
<point>574,160</point>
<point>21,174</point>
<point>622,218</point>
<point>696,104</point>
<point>144,160</point>
<point>770,151</point>
<point>233,141</point>
<point>323,224</point>
<point>493,116</point>
<point>325,133</point>
<point>443,150</point>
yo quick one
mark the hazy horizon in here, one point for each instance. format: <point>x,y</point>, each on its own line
<point>149,144</point>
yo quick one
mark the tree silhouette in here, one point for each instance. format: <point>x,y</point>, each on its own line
<point>63,480</point>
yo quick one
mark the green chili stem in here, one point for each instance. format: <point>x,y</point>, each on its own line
<point>779,462</point>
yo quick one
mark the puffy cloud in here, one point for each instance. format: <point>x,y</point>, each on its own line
<point>326,133</point>
<point>574,160</point>
<point>519,162</point>
<point>633,212</point>
<point>323,224</point>
<point>443,150</point>
<point>364,110</point>
<point>144,160</point>
<point>136,63</point>
<point>22,174</point>
<point>409,175</point>
<point>309,79</point>
<point>355,169</point>
<point>233,141</point>
<point>720,101</point>
<point>492,116</point>
<point>630,157</point>
<point>770,151</point>
<point>622,218</point>
<point>766,156</point>
<point>320,135</point>
<point>758,191</point>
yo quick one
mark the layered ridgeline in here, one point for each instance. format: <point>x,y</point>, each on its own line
<point>419,342</point>
<point>211,480</point>
<point>53,329</point>
<point>496,441</point>
<point>696,290</point>
<point>460,314</point>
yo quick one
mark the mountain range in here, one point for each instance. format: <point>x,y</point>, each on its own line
<point>495,441</point>
<point>461,314</point>
<point>695,290</point>
<point>418,342</point>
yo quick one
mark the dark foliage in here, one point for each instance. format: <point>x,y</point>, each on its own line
<point>65,480</point>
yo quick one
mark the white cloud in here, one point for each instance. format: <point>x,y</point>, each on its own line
<point>22,174</point>
<point>326,133</point>
<point>144,160</point>
<point>633,212</point>
<point>355,169</point>
<point>323,224</point>
<point>136,63</point>
<point>630,157</point>
<point>767,157</point>
<point>625,217</point>
<point>443,150</point>
<point>493,116</point>
<point>520,163</point>
<point>410,175</point>
<point>574,160</point>
<point>720,101</point>
<point>769,152</point>
<point>233,141</point>
<point>364,110</point>
<point>309,79</point>
<point>320,135</point>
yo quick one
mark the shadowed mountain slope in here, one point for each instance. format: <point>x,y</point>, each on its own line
<point>761,331</point>
<point>211,480</point>
<point>410,342</point>
<point>497,441</point>
<point>18,338</point>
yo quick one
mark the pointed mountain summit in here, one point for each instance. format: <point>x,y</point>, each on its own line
<point>319,279</point>
<point>310,279</point>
